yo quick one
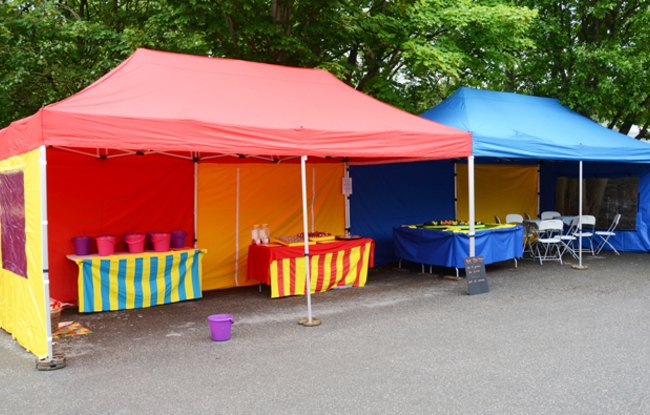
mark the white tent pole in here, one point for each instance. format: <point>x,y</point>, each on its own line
<point>237,197</point>
<point>470,192</point>
<point>310,320</point>
<point>44,248</point>
<point>456,190</point>
<point>580,215</point>
<point>539,187</point>
<point>196,200</point>
<point>313,199</point>
<point>346,168</point>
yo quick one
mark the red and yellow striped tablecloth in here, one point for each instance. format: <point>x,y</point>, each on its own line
<point>333,264</point>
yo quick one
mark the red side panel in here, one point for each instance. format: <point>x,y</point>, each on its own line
<point>88,196</point>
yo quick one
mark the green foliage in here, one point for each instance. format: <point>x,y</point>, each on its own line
<point>594,56</point>
<point>408,53</point>
<point>48,53</point>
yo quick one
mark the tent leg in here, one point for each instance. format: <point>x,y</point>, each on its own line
<point>470,192</point>
<point>348,224</point>
<point>579,266</point>
<point>237,198</point>
<point>539,186</point>
<point>456,189</point>
<point>309,321</point>
<point>50,362</point>
<point>196,199</point>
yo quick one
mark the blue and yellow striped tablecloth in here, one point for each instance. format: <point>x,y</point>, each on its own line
<point>127,281</point>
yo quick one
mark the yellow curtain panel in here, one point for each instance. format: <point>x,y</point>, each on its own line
<point>22,302</point>
<point>232,198</point>
<point>500,189</point>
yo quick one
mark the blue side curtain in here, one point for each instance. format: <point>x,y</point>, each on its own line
<point>390,195</point>
<point>630,241</point>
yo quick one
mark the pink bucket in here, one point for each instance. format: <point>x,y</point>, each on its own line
<point>135,242</point>
<point>220,325</point>
<point>105,245</point>
<point>160,241</point>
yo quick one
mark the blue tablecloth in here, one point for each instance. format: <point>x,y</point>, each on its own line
<point>449,249</point>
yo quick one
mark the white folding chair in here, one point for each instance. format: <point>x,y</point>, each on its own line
<point>549,243</point>
<point>514,218</point>
<point>587,232</point>
<point>549,214</point>
<point>605,235</point>
<point>568,239</point>
<point>530,236</point>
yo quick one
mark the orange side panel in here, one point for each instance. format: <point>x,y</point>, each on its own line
<point>249,194</point>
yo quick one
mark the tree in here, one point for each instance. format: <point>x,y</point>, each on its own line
<point>593,55</point>
<point>47,52</point>
<point>407,53</point>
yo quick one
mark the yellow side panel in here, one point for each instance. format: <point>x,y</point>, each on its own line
<point>22,302</point>
<point>500,189</point>
<point>250,194</point>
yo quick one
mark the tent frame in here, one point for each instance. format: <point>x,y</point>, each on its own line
<point>51,361</point>
<point>44,254</point>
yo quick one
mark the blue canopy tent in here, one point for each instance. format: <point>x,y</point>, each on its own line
<point>508,126</point>
<point>514,126</point>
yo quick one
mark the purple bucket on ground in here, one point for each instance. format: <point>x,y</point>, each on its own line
<point>220,325</point>
<point>82,245</point>
<point>178,239</point>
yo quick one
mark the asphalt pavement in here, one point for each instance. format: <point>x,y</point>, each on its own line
<point>545,340</point>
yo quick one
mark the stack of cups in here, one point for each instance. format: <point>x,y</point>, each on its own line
<point>265,235</point>
<point>255,236</point>
<point>261,234</point>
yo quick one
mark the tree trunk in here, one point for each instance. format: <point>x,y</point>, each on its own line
<point>83,9</point>
<point>281,11</point>
<point>625,127</point>
<point>643,133</point>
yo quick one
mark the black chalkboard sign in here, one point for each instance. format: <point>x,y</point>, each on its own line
<point>475,275</point>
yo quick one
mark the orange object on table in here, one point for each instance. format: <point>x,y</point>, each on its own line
<point>333,264</point>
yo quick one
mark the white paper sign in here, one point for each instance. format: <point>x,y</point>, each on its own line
<point>347,186</point>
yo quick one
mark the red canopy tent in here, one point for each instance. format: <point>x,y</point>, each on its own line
<point>159,102</point>
<point>170,102</point>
